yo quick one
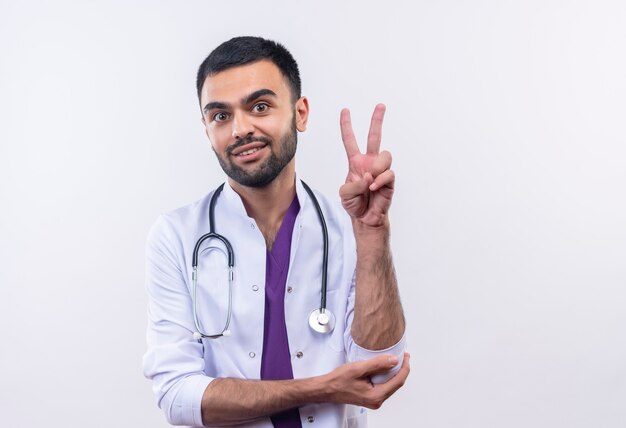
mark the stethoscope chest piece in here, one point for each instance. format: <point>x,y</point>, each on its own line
<point>322,320</point>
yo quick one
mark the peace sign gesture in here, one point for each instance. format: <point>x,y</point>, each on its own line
<point>368,190</point>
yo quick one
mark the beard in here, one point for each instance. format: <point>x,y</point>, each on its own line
<point>265,173</point>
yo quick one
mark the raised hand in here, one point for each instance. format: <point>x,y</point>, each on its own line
<point>368,190</point>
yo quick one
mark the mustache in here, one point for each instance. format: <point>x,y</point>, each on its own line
<point>247,140</point>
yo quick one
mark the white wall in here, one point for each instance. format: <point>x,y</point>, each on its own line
<point>506,120</point>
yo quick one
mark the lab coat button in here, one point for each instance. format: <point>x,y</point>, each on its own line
<point>311,419</point>
<point>289,289</point>
<point>299,354</point>
<point>252,354</point>
<point>252,225</point>
<point>255,288</point>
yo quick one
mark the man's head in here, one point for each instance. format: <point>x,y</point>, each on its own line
<point>252,108</point>
<point>245,50</point>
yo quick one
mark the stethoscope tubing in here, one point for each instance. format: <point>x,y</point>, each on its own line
<point>325,245</point>
<point>315,315</point>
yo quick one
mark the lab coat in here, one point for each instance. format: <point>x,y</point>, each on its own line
<point>182,367</point>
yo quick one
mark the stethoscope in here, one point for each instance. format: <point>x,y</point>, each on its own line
<point>321,320</point>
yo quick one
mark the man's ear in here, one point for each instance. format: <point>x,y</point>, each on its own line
<point>302,113</point>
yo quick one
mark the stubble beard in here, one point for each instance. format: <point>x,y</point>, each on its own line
<point>265,173</point>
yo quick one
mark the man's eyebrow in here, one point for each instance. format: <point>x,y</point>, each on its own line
<point>245,100</point>
<point>215,105</point>
<point>256,94</point>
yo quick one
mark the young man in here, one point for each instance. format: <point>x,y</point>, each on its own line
<point>254,344</point>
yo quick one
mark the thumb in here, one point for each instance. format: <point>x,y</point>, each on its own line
<point>379,364</point>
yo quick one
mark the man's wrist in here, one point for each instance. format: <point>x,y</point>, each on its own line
<point>318,389</point>
<point>368,234</point>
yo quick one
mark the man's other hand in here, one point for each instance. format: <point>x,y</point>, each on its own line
<point>351,384</point>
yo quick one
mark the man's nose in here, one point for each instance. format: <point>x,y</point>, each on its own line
<point>242,125</point>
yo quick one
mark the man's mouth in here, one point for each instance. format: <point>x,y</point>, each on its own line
<point>250,151</point>
<point>247,148</point>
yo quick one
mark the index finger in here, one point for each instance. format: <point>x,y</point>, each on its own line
<point>376,129</point>
<point>347,135</point>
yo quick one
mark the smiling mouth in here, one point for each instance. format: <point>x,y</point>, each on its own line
<point>245,148</point>
<point>250,151</point>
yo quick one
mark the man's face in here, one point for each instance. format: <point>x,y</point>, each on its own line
<point>252,121</point>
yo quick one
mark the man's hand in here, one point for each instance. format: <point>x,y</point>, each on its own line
<point>351,382</point>
<point>368,190</point>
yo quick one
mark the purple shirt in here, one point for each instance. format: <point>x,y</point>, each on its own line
<point>276,360</point>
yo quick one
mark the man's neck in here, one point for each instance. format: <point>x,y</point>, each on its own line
<point>268,205</point>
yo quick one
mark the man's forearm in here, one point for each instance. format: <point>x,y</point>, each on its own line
<point>228,401</point>
<point>378,317</point>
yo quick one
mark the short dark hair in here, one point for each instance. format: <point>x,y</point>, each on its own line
<point>245,50</point>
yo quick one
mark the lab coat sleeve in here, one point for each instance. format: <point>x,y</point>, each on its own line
<point>353,350</point>
<point>174,360</point>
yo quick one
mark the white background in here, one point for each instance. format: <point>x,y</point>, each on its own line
<point>506,122</point>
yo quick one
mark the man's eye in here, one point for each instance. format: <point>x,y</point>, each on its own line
<point>220,117</point>
<point>260,107</point>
